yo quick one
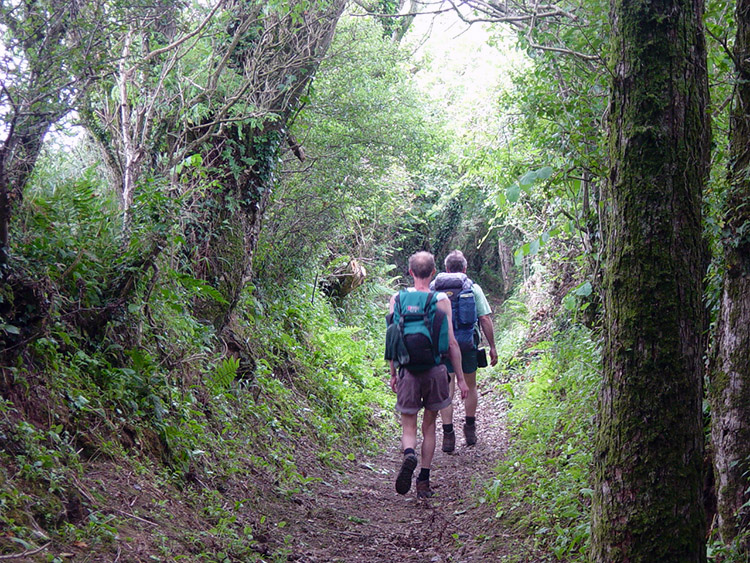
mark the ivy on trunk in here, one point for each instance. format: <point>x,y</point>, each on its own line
<point>649,443</point>
<point>730,370</point>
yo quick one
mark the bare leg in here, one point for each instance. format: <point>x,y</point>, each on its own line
<point>470,403</point>
<point>446,414</point>
<point>428,437</point>
<point>409,431</point>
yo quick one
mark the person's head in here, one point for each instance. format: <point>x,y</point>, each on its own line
<point>455,262</point>
<point>422,265</point>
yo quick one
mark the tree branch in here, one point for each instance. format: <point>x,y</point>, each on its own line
<point>181,40</point>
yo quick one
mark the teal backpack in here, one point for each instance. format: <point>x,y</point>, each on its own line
<point>417,333</point>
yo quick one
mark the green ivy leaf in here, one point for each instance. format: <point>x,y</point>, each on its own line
<point>513,193</point>
<point>528,179</point>
<point>534,246</point>
<point>584,290</point>
<point>544,173</point>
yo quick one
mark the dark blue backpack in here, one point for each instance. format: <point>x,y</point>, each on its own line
<point>464,308</point>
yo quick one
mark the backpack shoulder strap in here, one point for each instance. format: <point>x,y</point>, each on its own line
<point>434,327</point>
<point>397,307</point>
<point>396,310</point>
<point>437,324</point>
<point>426,310</point>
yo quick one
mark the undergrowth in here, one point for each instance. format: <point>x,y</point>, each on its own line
<point>542,488</point>
<point>176,415</point>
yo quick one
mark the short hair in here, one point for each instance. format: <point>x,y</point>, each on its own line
<point>422,264</point>
<point>455,262</point>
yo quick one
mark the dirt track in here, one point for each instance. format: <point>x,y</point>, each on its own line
<point>358,517</point>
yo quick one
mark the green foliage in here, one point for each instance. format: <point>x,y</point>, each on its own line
<point>36,466</point>
<point>543,487</point>
<point>399,157</point>
<point>338,357</point>
<point>225,374</point>
<point>366,134</point>
<point>720,24</point>
<point>156,389</point>
<point>717,551</point>
<point>510,328</point>
<point>68,233</point>
<point>544,179</point>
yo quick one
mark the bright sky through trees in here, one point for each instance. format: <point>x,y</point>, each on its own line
<point>463,67</point>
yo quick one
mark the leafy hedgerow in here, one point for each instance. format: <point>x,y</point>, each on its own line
<point>543,486</point>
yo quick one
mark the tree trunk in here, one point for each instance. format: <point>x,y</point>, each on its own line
<point>18,155</point>
<point>228,249</point>
<point>649,444</point>
<point>34,95</point>
<point>507,266</point>
<point>225,235</point>
<point>730,370</point>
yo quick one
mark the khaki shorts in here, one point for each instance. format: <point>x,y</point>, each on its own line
<point>428,389</point>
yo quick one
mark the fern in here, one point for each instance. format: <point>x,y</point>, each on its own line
<point>224,374</point>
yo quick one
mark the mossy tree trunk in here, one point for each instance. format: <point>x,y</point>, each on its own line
<point>233,112</point>
<point>225,235</point>
<point>730,372</point>
<point>649,443</point>
<point>243,157</point>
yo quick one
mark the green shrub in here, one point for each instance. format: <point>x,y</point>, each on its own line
<point>156,389</point>
<point>543,486</point>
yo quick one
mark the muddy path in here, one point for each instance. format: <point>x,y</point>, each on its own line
<point>357,516</point>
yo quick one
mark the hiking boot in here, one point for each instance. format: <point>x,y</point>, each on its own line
<point>470,432</point>
<point>423,489</point>
<point>403,480</point>
<point>449,441</point>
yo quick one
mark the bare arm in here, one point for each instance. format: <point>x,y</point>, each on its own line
<point>454,352</point>
<point>489,333</point>
<point>390,362</point>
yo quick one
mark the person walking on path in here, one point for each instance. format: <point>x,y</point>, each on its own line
<point>457,284</point>
<point>420,380</point>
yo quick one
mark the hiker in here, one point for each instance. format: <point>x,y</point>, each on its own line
<point>470,311</point>
<point>420,322</point>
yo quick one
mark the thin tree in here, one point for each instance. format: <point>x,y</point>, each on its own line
<point>51,50</point>
<point>649,445</point>
<point>222,85</point>
<point>730,373</point>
